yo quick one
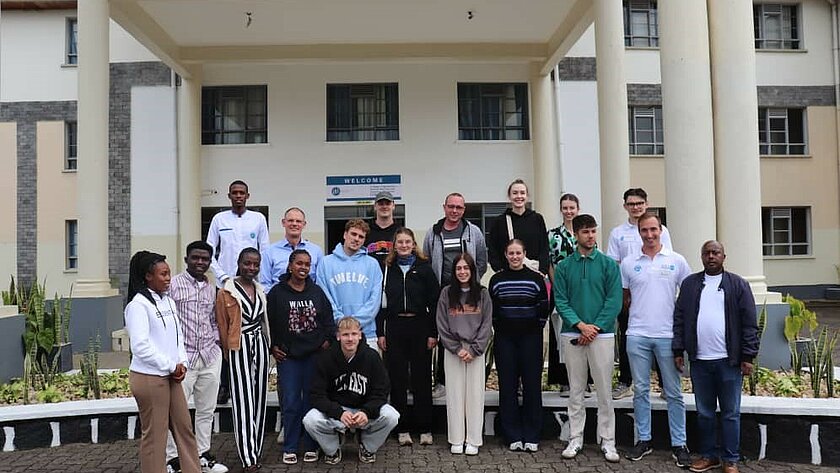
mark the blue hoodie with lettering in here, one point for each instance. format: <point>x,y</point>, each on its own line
<point>353,284</point>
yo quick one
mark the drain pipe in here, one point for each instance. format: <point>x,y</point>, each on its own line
<point>835,59</point>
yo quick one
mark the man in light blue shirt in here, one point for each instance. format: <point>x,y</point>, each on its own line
<point>275,259</point>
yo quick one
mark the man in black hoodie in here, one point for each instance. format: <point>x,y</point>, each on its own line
<point>350,391</point>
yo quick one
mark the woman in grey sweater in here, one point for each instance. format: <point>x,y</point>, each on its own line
<point>464,321</point>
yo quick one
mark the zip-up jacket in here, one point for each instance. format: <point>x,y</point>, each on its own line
<point>472,242</point>
<point>588,289</point>
<point>520,302</point>
<point>361,383</point>
<point>300,321</point>
<point>415,291</point>
<point>742,341</point>
<point>528,227</point>
<point>229,315</point>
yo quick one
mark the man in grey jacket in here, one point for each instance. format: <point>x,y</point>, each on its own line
<point>448,238</point>
<point>451,236</point>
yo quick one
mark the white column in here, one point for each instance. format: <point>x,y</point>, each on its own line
<point>546,188</point>
<point>189,162</point>
<point>612,112</point>
<point>737,170</point>
<point>92,173</point>
<point>687,117</point>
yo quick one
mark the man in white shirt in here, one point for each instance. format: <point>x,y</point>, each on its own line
<point>625,241</point>
<point>231,231</point>
<point>650,280</point>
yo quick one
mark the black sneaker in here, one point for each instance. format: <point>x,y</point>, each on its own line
<point>364,455</point>
<point>173,466</point>
<point>333,459</point>
<point>682,456</point>
<point>639,450</point>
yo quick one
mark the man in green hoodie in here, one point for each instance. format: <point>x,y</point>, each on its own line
<point>588,296</point>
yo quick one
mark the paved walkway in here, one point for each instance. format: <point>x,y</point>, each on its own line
<point>121,457</point>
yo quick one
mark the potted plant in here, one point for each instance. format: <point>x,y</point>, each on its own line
<point>800,325</point>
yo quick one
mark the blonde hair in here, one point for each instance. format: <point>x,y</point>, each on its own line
<point>392,254</point>
<point>348,322</point>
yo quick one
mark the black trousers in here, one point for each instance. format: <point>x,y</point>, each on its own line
<point>409,363</point>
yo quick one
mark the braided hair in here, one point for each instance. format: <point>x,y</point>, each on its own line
<point>142,263</point>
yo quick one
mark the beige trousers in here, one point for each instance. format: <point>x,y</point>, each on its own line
<point>464,399</point>
<point>597,358</point>
<point>163,407</point>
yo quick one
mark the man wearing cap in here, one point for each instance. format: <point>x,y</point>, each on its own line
<point>382,228</point>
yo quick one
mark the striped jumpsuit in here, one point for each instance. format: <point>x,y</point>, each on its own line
<point>249,379</point>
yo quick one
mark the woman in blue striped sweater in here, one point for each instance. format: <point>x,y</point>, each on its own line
<point>520,310</point>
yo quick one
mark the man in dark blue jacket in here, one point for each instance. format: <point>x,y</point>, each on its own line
<point>715,322</point>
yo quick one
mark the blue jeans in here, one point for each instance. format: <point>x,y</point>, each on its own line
<point>716,381</point>
<point>641,352</point>
<point>295,376</point>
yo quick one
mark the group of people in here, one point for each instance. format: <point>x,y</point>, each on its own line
<point>354,332</point>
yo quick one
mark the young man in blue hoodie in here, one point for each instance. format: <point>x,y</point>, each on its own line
<point>352,280</point>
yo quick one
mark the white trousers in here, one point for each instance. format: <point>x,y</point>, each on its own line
<point>202,383</point>
<point>597,358</point>
<point>464,399</point>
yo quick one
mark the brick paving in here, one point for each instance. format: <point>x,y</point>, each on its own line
<point>121,457</point>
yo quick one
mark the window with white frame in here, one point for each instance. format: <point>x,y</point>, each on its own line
<point>234,114</point>
<point>786,231</point>
<point>71,249</point>
<point>493,111</point>
<point>72,47</point>
<point>71,130</point>
<point>776,26</point>
<point>641,23</point>
<point>646,133</point>
<point>363,112</point>
<point>781,131</point>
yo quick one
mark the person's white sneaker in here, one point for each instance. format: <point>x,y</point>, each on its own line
<point>404,439</point>
<point>439,391</point>
<point>610,454</point>
<point>572,449</point>
<point>209,464</point>
<point>426,438</point>
<point>531,447</point>
<point>456,449</point>
<point>516,446</point>
<point>470,449</point>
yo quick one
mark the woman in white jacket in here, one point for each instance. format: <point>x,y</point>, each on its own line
<point>158,365</point>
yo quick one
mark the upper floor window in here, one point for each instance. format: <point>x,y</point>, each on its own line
<point>363,112</point>
<point>641,23</point>
<point>72,49</point>
<point>70,147</point>
<point>646,134</point>
<point>781,131</point>
<point>786,231</point>
<point>493,112</point>
<point>234,114</point>
<point>71,235</point>
<point>776,26</point>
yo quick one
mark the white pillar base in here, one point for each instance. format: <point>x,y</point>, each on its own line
<point>762,295</point>
<point>93,288</point>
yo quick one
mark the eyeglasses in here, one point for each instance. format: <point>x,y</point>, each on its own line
<point>455,207</point>
<point>635,204</point>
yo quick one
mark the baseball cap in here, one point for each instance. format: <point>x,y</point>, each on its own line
<point>384,195</point>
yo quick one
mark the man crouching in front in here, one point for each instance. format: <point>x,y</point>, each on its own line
<point>350,390</point>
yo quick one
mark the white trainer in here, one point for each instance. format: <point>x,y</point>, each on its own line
<point>572,449</point>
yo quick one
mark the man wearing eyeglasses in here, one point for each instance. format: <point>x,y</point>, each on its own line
<point>448,238</point>
<point>625,242</point>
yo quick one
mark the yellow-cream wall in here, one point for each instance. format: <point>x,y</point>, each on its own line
<point>8,206</point>
<point>810,181</point>
<point>56,203</point>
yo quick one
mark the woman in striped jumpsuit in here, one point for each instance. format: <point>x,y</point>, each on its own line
<point>243,331</point>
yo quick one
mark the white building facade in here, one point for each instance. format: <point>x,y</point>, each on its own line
<point>122,122</point>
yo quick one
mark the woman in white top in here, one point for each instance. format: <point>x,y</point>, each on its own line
<point>158,365</point>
